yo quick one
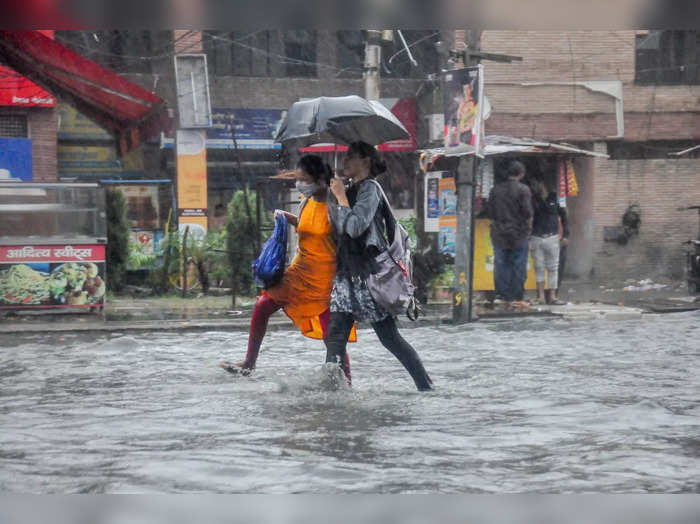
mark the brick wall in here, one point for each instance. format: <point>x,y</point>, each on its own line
<point>538,96</point>
<point>659,187</point>
<point>43,126</point>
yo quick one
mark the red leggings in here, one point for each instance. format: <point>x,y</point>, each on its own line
<point>264,308</point>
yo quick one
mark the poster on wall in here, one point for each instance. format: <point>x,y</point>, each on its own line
<point>53,276</point>
<point>463,104</point>
<point>431,202</point>
<point>15,160</point>
<point>447,204</point>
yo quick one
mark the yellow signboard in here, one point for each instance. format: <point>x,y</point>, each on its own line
<point>97,161</point>
<point>192,180</point>
<point>73,125</point>
<point>484,259</point>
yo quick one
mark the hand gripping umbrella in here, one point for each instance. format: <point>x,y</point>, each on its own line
<point>339,120</point>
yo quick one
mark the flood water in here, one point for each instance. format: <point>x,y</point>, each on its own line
<point>524,405</point>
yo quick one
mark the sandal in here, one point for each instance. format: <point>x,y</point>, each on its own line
<point>235,369</point>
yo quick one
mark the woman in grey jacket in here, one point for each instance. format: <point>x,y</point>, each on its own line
<point>359,224</point>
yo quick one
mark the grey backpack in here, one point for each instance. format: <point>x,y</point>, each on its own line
<point>391,285</point>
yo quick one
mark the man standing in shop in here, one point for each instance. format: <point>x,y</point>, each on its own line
<point>510,211</point>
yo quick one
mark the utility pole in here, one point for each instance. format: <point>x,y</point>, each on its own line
<point>464,42</point>
<point>373,59</point>
<point>466,53</point>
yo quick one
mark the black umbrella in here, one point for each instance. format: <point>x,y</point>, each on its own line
<point>339,120</point>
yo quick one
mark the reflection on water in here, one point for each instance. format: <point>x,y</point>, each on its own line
<point>528,405</point>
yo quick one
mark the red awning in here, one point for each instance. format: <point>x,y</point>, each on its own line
<point>129,111</point>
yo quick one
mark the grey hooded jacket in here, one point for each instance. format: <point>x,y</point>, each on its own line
<point>362,217</point>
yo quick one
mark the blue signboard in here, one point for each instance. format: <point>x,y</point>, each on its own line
<point>255,128</point>
<point>15,159</point>
<point>250,124</point>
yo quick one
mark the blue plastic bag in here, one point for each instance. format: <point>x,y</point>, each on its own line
<point>268,269</point>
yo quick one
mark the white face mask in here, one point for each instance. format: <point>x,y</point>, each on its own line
<point>307,189</point>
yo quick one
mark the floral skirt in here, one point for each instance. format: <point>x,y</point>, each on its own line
<point>351,295</point>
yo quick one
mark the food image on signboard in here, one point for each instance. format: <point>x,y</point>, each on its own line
<point>22,285</point>
<point>76,284</point>
<point>72,283</point>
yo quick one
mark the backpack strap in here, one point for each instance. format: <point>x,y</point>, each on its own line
<point>388,212</point>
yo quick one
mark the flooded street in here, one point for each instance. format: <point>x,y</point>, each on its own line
<point>524,405</point>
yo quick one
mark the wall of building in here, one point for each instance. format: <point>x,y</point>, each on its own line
<point>659,187</point>
<point>42,125</point>
<point>580,211</point>
<point>539,98</point>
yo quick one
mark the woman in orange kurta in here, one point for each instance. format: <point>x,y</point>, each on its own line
<point>305,289</point>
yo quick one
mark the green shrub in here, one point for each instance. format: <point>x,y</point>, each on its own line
<point>118,230</point>
<point>241,240</point>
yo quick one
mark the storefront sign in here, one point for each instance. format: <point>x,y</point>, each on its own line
<point>192,181</point>
<point>463,101</point>
<point>52,276</point>
<point>98,162</point>
<point>15,159</point>
<point>447,195</point>
<point>254,128</point>
<point>17,91</point>
<point>65,253</point>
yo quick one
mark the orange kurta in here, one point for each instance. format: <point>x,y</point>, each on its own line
<point>305,288</point>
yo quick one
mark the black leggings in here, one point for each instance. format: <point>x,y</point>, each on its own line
<point>339,328</point>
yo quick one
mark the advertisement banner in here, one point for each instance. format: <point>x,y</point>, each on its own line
<point>55,276</point>
<point>463,103</point>
<point>405,110</point>
<point>17,91</point>
<point>192,181</point>
<point>15,160</point>
<point>431,203</point>
<point>447,201</point>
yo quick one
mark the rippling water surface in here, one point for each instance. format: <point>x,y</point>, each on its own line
<point>525,405</point>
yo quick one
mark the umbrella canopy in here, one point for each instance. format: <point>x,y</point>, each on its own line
<point>341,120</point>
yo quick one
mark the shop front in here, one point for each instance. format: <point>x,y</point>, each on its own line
<point>52,246</point>
<point>555,164</point>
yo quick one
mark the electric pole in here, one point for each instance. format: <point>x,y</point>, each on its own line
<point>373,58</point>
<point>466,52</point>
<point>464,42</point>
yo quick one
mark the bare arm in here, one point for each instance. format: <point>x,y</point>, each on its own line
<point>292,220</point>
